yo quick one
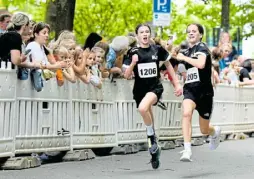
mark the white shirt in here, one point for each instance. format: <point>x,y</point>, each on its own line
<point>37,52</point>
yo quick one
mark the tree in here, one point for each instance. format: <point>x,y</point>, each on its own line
<point>110,17</point>
<point>225,13</point>
<point>64,15</point>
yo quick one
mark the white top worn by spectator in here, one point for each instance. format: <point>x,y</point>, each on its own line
<point>95,70</point>
<point>37,53</point>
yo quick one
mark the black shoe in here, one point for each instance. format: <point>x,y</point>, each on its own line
<point>155,151</point>
<point>155,160</point>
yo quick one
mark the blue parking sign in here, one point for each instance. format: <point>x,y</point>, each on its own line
<point>161,12</point>
<point>161,6</point>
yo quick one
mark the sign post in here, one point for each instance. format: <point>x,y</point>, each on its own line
<point>161,12</point>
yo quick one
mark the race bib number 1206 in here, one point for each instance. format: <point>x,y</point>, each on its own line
<point>192,75</point>
<point>147,70</point>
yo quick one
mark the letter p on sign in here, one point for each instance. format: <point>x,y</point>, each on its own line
<point>160,4</point>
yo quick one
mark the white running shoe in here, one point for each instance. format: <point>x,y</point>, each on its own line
<point>186,156</point>
<point>215,140</point>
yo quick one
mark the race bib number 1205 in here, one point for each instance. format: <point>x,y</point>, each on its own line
<point>147,70</point>
<point>192,75</point>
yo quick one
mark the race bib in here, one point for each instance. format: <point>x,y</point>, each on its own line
<point>147,70</point>
<point>192,75</point>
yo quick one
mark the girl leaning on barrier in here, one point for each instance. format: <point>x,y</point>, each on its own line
<point>144,62</point>
<point>198,90</point>
<point>243,72</point>
<point>62,54</point>
<point>39,53</point>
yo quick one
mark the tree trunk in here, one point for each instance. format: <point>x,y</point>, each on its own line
<point>51,15</point>
<point>64,15</point>
<point>225,12</point>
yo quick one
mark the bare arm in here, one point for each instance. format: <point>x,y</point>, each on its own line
<point>85,77</point>
<point>171,71</point>
<point>199,63</point>
<point>51,58</point>
<point>246,81</point>
<point>129,70</point>
<point>16,57</point>
<point>79,69</point>
<point>20,60</point>
<point>57,65</point>
<point>69,74</point>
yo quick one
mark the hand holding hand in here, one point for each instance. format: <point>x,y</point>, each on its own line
<point>178,90</point>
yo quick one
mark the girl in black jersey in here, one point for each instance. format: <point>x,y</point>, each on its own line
<point>147,86</point>
<point>197,90</point>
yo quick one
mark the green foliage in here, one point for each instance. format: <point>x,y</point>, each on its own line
<point>243,15</point>
<point>35,8</point>
<point>110,17</point>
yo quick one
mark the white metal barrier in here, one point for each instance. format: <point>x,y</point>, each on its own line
<point>7,112</point>
<point>40,116</point>
<point>33,121</point>
<point>93,116</point>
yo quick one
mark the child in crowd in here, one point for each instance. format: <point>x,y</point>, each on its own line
<point>89,76</point>
<point>62,54</point>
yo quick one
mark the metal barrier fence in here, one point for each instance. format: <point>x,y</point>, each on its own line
<point>78,115</point>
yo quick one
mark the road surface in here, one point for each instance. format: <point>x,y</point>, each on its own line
<point>233,159</point>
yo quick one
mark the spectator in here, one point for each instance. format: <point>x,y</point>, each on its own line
<point>230,73</point>
<point>64,35</point>
<point>38,50</point>
<point>85,73</point>
<point>99,65</point>
<point>241,59</point>
<point>63,55</point>
<point>116,49</point>
<point>93,78</point>
<point>4,21</point>
<point>244,76</point>
<point>225,38</point>
<point>11,42</point>
<point>104,46</point>
<point>226,50</point>
<point>80,62</point>
<point>39,54</point>
<point>216,56</point>
<point>91,40</point>
<point>70,45</point>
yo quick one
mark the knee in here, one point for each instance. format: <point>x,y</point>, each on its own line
<point>204,130</point>
<point>142,109</point>
<point>187,115</point>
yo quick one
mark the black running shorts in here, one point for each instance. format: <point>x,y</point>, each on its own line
<point>140,94</point>
<point>204,103</point>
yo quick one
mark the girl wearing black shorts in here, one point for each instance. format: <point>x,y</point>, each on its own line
<point>198,90</point>
<point>144,63</point>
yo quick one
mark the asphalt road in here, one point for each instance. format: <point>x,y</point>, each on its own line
<point>233,159</point>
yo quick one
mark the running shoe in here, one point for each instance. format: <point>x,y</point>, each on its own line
<point>186,156</point>
<point>155,151</point>
<point>215,140</point>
